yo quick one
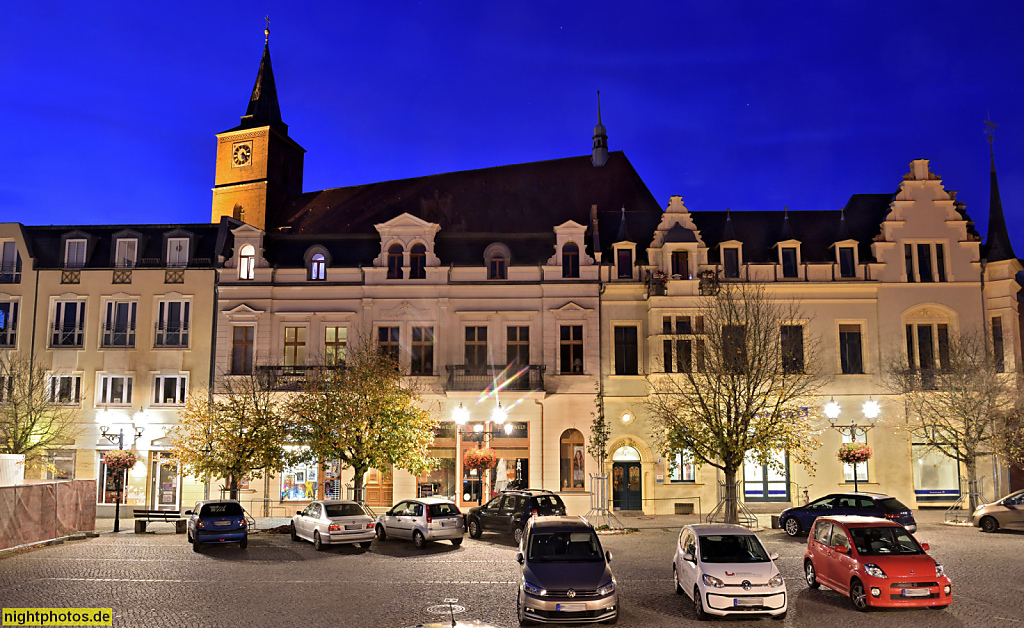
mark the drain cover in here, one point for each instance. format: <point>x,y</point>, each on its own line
<point>445,609</point>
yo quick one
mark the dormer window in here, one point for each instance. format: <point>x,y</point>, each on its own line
<point>496,266</point>
<point>789,262</point>
<point>177,252</point>
<point>247,262</point>
<point>570,261</point>
<point>624,263</point>
<point>681,264</point>
<point>418,262</point>
<point>74,253</point>
<point>395,254</point>
<point>125,254</point>
<point>847,263</point>
<point>731,262</point>
<point>317,267</point>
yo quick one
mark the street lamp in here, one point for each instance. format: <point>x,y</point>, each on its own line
<point>119,440</point>
<point>871,410</point>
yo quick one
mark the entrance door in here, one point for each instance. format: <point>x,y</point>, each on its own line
<point>379,488</point>
<point>165,487</point>
<point>626,493</point>
<point>766,483</point>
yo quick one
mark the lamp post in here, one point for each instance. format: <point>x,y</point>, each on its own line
<point>481,433</point>
<point>871,410</point>
<point>119,439</point>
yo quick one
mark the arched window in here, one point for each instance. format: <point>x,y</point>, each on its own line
<point>317,267</point>
<point>395,261</point>
<point>573,456</point>
<point>570,260</point>
<point>418,262</point>
<point>247,262</point>
<point>496,266</point>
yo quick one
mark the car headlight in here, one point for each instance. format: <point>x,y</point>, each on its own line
<point>712,581</point>
<point>607,589</point>
<point>533,589</point>
<point>776,580</point>
<point>874,570</point>
<point>939,570</point>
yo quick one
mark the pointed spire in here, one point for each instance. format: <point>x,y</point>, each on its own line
<point>263,109</point>
<point>844,230</point>
<point>600,156</point>
<point>997,243</point>
<point>623,235</point>
<point>728,233</point>
<point>787,228</point>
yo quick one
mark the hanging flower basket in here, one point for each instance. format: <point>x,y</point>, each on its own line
<point>852,453</point>
<point>480,459</point>
<point>118,460</point>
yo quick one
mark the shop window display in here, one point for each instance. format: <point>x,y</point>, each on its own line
<point>299,483</point>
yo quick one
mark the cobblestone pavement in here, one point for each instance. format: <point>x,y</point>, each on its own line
<point>156,580</point>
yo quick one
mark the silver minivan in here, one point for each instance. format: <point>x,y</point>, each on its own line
<point>422,520</point>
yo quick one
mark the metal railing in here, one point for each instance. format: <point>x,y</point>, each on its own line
<point>289,378</point>
<point>10,273</point>
<point>171,335</point>
<point>495,376</point>
<point>960,511</point>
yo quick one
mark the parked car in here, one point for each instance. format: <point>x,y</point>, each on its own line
<point>877,562</point>
<point>725,570</point>
<point>1007,512</point>
<point>508,513</point>
<point>565,575</point>
<point>799,519</point>
<point>217,521</point>
<point>333,522</point>
<point>421,520</point>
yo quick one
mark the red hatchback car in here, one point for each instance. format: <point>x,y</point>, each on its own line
<point>876,562</point>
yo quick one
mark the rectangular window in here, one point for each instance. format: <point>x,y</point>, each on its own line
<point>624,263</point>
<point>922,342</point>
<point>10,263</point>
<point>119,324</point>
<point>792,342</point>
<point>850,356</point>
<point>60,464</point>
<point>940,262</point>
<point>65,389</point>
<point>678,353</point>
<point>169,390</point>
<point>294,348</point>
<point>124,256</point>
<point>74,253</point>
<point>388,342</point>
<point>731,262</point>
<point>789,262</point>
<point>68,324</point>
<point>683,469</point>
<point>335,344</point>
<point>734,348</point>
<point>177,252</point>
<point>241,349</point>
<point>476,347</point>
<point>908,261</point>
<point>115,390</point>
<point>846,262</point>
<point>570,346</point>
<point>8,323</point>
<point>172,324</point>
<point>422,351</point>
<point>626,350</point>
<point>517,345</point>
<point>681,264</point>
<point>924,262</point>
<point>997,344</point>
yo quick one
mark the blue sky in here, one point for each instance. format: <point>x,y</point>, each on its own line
<point>110,111</point>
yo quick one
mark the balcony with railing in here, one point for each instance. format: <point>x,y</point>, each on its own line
<point>288,378</point>
<point>10,273</point>
<point>66,336</point>
<point>119,336</point>
<point>495,376</point>
<point>171,335</point>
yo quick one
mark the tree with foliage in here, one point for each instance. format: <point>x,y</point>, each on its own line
<point>360,414</point>
<point>747,386</point>
<point>33,418</point>
<point>961,403</point>
<point>242,431</point>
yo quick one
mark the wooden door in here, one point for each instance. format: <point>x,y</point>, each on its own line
<point>379,488</point>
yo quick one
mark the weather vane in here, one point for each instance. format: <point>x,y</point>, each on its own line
<point>990,128</point>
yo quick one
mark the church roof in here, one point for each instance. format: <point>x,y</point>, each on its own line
<point>263,109</point>
<point>997,245</point>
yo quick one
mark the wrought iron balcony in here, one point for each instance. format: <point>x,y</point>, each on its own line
<point>66,336</point>
<point>288,378</point>
<point>118,335</point>
<point>171,335</point>
<point>10,273</point>
<point>491,376</point>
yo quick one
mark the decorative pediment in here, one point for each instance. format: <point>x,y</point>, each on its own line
<point>574,232</point>
<point>406,231</point>
<point>571,308</point>
<point>406,311</point>
<point>243,312</point>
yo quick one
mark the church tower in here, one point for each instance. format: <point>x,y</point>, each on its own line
<point>600,155</point>
<point>258,165</point>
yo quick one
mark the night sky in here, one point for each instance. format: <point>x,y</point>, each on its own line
<point>110,112</point>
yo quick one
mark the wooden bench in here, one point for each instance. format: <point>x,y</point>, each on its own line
<point>142,517</point>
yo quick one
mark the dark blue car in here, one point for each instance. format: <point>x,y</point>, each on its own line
<point>217,521</point>
<point>798,520</point>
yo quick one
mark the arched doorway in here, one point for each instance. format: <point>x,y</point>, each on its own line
<point>626,473</point>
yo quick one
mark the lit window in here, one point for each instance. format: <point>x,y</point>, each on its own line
<point>115,390</point>
<point>572,458</point>
<point>317,267</point>
<point>169,389</point>
<point>247,262</point>
<point>335,344</point>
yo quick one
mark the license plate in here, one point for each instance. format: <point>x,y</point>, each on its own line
<point>222,523</point>
<point>445,524</point>
<point>571,607</point>
<point>916,592</point>
<point>748,601</point>
<point>353,527</point>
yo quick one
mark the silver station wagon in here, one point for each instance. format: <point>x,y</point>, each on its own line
<point>422,520</point>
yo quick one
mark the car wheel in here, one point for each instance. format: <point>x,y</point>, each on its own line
<point>989,524</point>
<point>698,606</point>
<point>243,543</point>
<point>517,534</point>
<point>457,542</point>
<point>189,536</point>
<point>474,529</point>
<point>382,534</point>
<point>195,544</point>
<point>521,611</point>
<point>675,578</point>
<point>858,596</point>
<point>419,540</point>
<point>295,536</point>
<point>809,576</point>
<point>791,526</point>
<point>318,545</point>
<point>366,544</point>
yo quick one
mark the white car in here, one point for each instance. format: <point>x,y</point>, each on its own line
<point>725,569</point>
<point>331,522</point>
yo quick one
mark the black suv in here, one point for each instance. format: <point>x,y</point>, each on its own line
<point>508,513</point>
